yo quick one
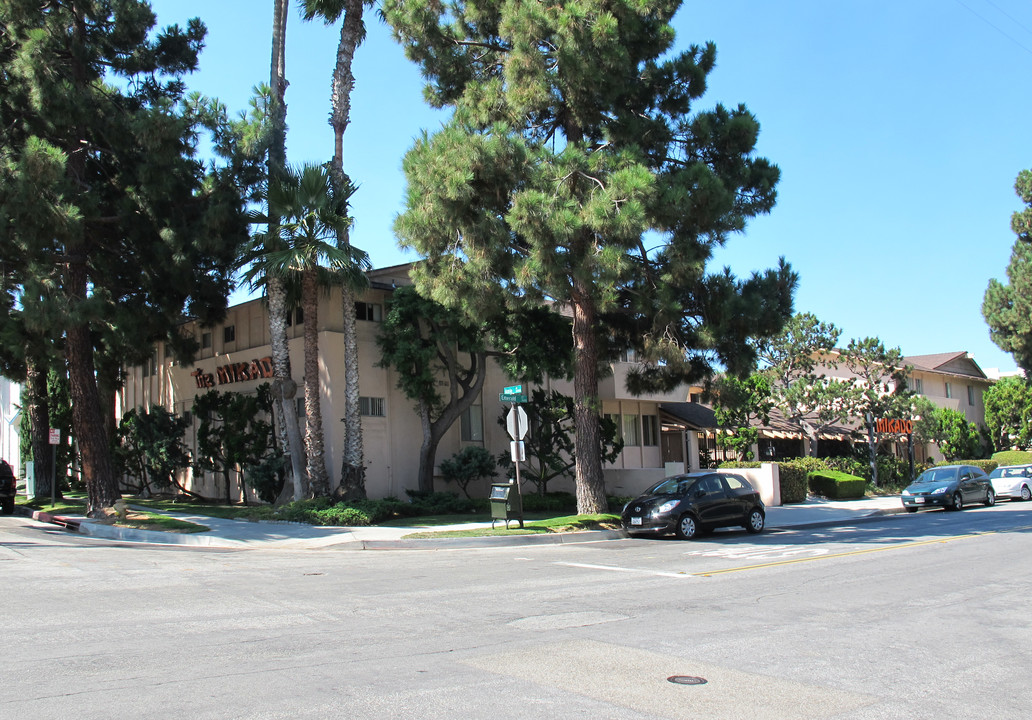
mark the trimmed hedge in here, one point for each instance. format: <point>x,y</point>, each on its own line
<point>986,466</point>
<point>837,485</point>
<point>1012,457</point>
<point>793,481</point>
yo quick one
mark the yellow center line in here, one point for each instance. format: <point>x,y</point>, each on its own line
<point>915,543</point>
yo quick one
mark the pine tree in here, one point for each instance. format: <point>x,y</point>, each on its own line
<point>1007,308</point>
<point>102,197</point>
<point>575,170</point>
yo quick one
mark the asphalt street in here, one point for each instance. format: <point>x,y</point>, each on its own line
<point>905,616</point>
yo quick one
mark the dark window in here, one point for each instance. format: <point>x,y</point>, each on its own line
<point>649,430</point>
<point>206,340</point>
<point>229,334</point>
<point>370,312</point>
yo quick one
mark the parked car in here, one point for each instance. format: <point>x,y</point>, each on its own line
<point>689,504</point>
<point>949,486</point>
<point>8,488</point>
<point>1012,481</point>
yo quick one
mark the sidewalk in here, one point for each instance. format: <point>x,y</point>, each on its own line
<point>245,534</point>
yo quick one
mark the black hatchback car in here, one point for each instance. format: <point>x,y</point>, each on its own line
<point>689,504</point>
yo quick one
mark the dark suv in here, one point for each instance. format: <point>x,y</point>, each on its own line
<point>8,487</point>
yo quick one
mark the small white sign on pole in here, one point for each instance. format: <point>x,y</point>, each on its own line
<point>518,451</point>
<point>55,436</point>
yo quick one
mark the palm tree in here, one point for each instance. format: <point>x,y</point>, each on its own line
<point>352,32</point>
<point>301,246</point>
<point>284,388</point>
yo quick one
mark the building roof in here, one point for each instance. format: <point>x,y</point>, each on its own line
<point>695,415</point>
<point>954,363</point>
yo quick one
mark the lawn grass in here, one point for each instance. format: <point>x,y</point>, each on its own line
<point>564,524</point>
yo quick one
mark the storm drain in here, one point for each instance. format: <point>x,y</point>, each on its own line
<point>686,680</point>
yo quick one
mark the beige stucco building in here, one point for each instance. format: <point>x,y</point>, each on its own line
<point>235,356</point>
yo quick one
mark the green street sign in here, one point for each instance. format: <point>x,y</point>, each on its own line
<point>513,390</point>
<point>503,397</point>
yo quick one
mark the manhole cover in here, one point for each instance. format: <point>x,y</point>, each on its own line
<point>686,680</point>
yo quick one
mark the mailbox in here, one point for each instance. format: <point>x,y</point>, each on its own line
<point>506,503</point>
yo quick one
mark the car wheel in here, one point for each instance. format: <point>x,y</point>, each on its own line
<point>958,501</point>
<point>756,521</point>
<point>1026,494</point>
<point>910,509</point>
<point>990,497</point>
<point>687,527</point>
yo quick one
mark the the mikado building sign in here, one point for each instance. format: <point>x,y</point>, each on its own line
<point>236,372</point>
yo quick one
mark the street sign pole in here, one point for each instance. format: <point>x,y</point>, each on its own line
<point>516,423</point>
<point>55,440</point>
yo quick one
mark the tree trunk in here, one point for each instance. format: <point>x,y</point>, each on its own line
<point>591,489</point>
<point>352,481</point>
<point>284,387</point>
<point>87,419</point>
<point>314,445</point>
<point>39,420</point>
<point>352,472</point>
<point>427,450</point>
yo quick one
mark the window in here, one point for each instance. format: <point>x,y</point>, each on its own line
<point>188,417</point>
<point>631,436</point>
<point>372,407</point>
<point>615,420</point>
<point>971,395</point>
<point>370,312</point>
<point>695,397</point>
<point>949,390</point>
<point>650,430</point>
<point>472,424</point>
<point>206,340</point>
<point>298,318</point>
<point>917,385</point>
<point>301,411</point>
<point>629,356</point>
<point>229,334</point>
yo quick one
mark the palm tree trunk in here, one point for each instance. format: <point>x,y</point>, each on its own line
<point>352,32</point>
<point>317,474</point>
<point>285,389</point>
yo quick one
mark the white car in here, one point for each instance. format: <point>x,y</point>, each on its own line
<point>1012,481</point>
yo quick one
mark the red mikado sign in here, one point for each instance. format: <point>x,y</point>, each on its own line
<point>894,425</point>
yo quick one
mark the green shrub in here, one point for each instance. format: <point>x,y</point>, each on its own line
<point>468,465</point>
<point>986,466</point>
<point>850,465</point>
<point>793,481</point>
<point>550,502</point>
<point>1012,457</point>
<point>739,464</point>
<point>836,485</point>
<point>810,464</point>
<point>438,503</point>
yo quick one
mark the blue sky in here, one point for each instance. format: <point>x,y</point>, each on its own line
<point>899,128</point>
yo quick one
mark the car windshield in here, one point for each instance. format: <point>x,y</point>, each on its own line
<point>936,475</point>
<point>1007,472</point>
<point>671,486</point>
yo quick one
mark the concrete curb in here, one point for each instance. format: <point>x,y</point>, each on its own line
<point>588,536</point>
<point>350,540</point>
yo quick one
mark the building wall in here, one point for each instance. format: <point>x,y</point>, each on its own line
<point>391,442</point>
